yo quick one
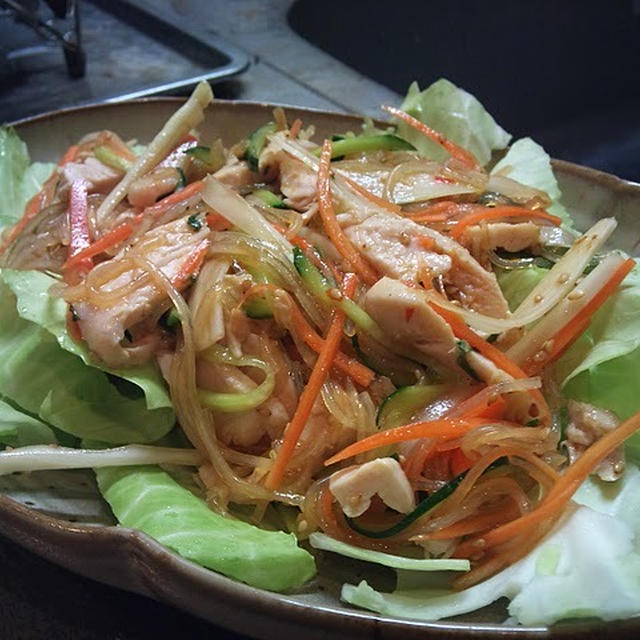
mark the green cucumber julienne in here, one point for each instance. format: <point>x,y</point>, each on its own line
<point>360,144</point>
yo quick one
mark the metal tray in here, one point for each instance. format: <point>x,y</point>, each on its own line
<point>133,48</point>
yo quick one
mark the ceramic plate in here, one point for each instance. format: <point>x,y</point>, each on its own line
<point>60,515</point>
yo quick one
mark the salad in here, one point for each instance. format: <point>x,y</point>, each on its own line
<point>391,345</point>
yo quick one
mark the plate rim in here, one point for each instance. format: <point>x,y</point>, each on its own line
<point>135,555</point>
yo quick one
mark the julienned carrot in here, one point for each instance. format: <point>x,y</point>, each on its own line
<point>295,128</point>
<point>440,208</point>
<point>461,154</point>
<point>473,524</point>
<point>311,391</point>
<point>177,196</point>
<point>38,202</point>
<point>443,429</point>
<point>578,324</point>
<point>355,370</point>
<point>191,264</point>
<point>107,241</point>
<point>365,193</point>
<point>496,356</point>
<point>331,225</point>
<point>560,493</point>
<point>217,222</point>
<point>69,155</point>
<point>496,213</point>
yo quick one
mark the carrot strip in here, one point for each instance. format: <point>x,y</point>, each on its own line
<point>431,217</point>
<point>36,204</point>
<point>111,239</point>
<point>458,462</point>
<point>461,154</point>
<point>191,264</point>
<point>177,196</point>
<point>69,155</point>
<point>443,429</point>
<point>436,209</point>
<point>476,523</point>
<point>354,369</point>
<point>575,327</point>
<point>496,356</point>
<point>426,242</point>
<point>331,225</point>
<point>365,193</point>
<point>311,391</point>
<point>495,213</point>
<point>217,222</point>
<point>295,128</point>
<point>560,493</point>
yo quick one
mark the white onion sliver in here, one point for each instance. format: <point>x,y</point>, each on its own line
<point>47,457</point>
<point>242,215</point>
<point>534,340</point>
<point>190,114</point>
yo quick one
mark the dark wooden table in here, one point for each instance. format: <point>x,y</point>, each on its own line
<point>39,600</point>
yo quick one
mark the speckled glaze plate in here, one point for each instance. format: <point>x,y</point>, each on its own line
<point>60,516</point>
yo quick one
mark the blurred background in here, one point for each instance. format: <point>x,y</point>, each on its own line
<point>563,72</point>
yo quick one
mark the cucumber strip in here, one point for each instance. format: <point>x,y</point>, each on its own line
<point>423,507</point>
<point>234,402</point>
<point>256,143</point>
<point>210,158</point>
<point>269,198</point>
<point>108,156</point>
<point>360,144</point>
<point>257,308</point>
<point>399,407</point>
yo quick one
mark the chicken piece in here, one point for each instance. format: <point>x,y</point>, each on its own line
<point>237,175</point>
<point>479,239</point>
<point>298,183</point>
<point>587,424</point>
<point>520,407</point>
<point>404,315</point>
<point>354,488</point>
<point>99,177</point>
<point>107,305</point>
<point>151,187</point>
<point>396,247</point>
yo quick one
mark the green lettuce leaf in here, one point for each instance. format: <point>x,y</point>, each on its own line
<point>42,378</point>
<point>516,284</point>
<point>36,305</point>
<point>17,429</point>
<point>602,366</point>
<point>148,499</point>
<point>528,163</point>
<point>326,543</point>
<point>19,180</point>
<point>556,580</point>
<point>457,115</point>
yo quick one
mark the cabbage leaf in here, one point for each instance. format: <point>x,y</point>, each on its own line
<point>17,429</point>
<point>326,543</point>
<point>19,180</point>
<point>456,114</point>
<point>40,377</point>
<point>528,163</point>
<point>34,304</point>
<point>556,580</point>
<point>148,499</point>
